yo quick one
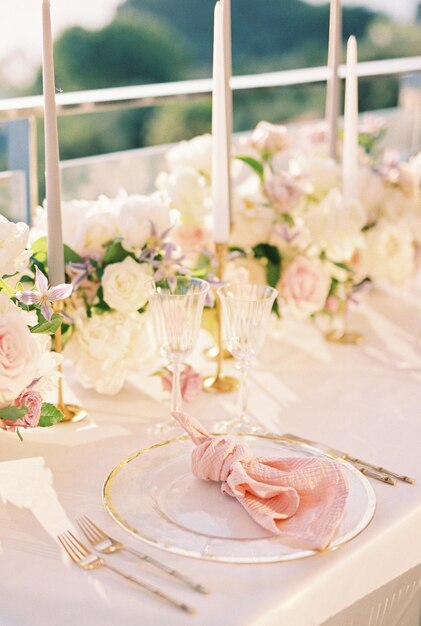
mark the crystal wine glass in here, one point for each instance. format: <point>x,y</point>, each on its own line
<point>176,305</point>
<point>246,310</point>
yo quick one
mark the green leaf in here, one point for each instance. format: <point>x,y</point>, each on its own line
<point>254,164</point>
<point>39,246</point>
<point>13,413</point>
<point>344,266</point>
<point>273,274</point>
<point>115,253</point>
<point>49,327</point>
<point>5,287</point>
<point>49,415</point>
<point>266,251</point>
<point>70,256</point>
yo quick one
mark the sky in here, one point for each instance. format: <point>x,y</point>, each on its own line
<point>20,28</point>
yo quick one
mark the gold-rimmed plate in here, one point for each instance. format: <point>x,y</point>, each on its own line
<point>153,495</point>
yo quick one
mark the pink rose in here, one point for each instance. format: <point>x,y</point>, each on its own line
<point>192,238</point>
<point>190,382</point>
<point>304,286</point>
<point>18,355</point>
<point>32,401</point>
<point>284,192</point>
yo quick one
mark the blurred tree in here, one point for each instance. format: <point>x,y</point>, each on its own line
<point>131,50</point>
<point>262,31</point>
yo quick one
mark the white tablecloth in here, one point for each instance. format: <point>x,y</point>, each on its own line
<point>364,399</point>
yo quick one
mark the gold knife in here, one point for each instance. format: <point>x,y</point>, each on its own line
<point>363,466</point>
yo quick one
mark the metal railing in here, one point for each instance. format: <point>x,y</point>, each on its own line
<point>95,100</point>
<point>24,110</point>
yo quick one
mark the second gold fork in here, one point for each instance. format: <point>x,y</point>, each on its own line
<point>107,545</point>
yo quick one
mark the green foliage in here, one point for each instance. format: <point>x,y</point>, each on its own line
<point>115,253</point>
<point>273,260</point>
<point>13,413</point>
<point>48,326</point>
<point>50,415</point>
<point>254,164</point>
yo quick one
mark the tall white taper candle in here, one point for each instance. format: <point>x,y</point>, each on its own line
<point>226,9</point>
<point>52,170</point>
<point>220,158</point>
<point>333,89</point>
<point>350,147</point>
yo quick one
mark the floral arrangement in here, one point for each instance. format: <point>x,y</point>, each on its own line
<point>113,247</point>
<point>28,367</point>
<point>292,227</point>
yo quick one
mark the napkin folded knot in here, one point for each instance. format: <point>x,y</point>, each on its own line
<point>301,499</point>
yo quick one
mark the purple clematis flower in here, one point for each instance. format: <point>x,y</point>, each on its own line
<point>44,295</point>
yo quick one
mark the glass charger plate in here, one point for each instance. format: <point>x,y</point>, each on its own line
<point>153,495</point>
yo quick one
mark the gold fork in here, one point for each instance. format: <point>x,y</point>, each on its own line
<point>85,559</point>
<point>107,545</point>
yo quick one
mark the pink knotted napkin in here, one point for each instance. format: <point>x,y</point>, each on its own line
<point>299,499</point>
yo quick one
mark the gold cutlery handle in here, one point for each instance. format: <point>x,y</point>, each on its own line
<point>384,478</point>
<point>169,570</point>
<point>152,589</point>
<point>383,470</point>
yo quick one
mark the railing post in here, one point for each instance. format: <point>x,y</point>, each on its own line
<point>22,156</point>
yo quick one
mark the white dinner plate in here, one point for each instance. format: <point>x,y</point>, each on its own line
<point>153,495</point>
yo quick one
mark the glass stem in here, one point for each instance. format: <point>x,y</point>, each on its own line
<point>176,386</point>
<point>243,397</point>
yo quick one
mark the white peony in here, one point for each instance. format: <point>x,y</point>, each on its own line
<point>195,153</point>
<point>335,226</point>
<point>186,191</point>
<point>13,242</point>
<point>389,253</point>
<point>137,214</point>
<point>105,348</point>
<point>124,285</point>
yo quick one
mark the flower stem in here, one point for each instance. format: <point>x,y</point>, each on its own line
<point>176,386</point>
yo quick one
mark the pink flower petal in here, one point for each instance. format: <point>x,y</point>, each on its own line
<point>60,292</point>
<point>41,281</point>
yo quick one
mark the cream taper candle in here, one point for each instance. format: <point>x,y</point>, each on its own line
<point>220,157</point>
<point>52,170</point>
<point>226,9</point>
<point>333,87</point>
<point>350,145</point>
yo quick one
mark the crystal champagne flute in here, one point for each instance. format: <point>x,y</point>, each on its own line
<point>246,310</point>
<point>176,305</point>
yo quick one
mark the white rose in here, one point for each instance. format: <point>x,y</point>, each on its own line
<point>245,270</point>
<point>13,242</point>
<point>318,174</point>
<point>372,192</point>
<point>389,253</point>
<point>124,285</point>
<point>137,213</point>
<point>196,154</point>
<point>268,137</point>
<point>105,348</point>
<point>252,224</point>
<point>18,352</point>
<point>335,226</point>
<point>186,191</point>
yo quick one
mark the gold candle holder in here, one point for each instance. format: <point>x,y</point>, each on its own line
<point>71,412</point>
<point>220,383</point>
<point>344,336</point>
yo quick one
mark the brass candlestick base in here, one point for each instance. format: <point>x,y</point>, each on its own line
<point>213,352</point>
<point>220,383</point>
<point>345,337</point>
<point>71,412</point>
